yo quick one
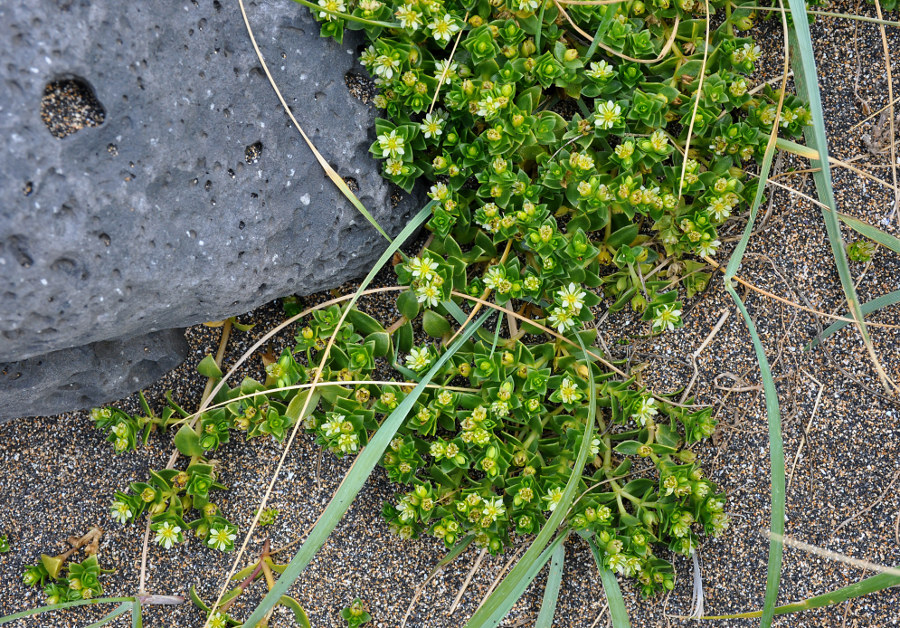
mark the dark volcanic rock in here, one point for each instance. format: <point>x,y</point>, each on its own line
<point>151,180</point>
<point>86,376</point>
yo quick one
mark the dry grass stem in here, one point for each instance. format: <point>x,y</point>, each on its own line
<point>806,430</point>
<point>465,584</point>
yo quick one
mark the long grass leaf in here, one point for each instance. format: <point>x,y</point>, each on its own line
<point>353,482</point>
<point>773,411</point>
<point>551,589</point>
<point>872,584</point>
<point>805,77</point>
<point>136,619</point>
<point>458,549</point>
<point>891,298</point>
<point>408,230</point>
<point>617,611</point>
<point>504,597</point>
<point>873,233</point>
<point>121,609</point>
<point>56,607</point>
<point>528,575</point>
<point>455,311</point>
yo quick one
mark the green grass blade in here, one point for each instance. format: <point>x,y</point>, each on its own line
<point>776,460</point>
<point>805,78</point>
<point>64,605</point>
<point>121,609</point>
<point>617,611</point>
<point>458,549</point>
<point>537,35</point>
<point>353,482</point>
<point>773,411</point>
<point>551,590</point>
<point>455,311</point>
<point>504,597</point>
<point>873,233</point>
<point>411,227</point>
<point>528,575</point>
<point>891,298</point>
<point>872,584</point>
<point>136,619</point>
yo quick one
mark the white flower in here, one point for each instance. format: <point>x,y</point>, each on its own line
<point>432,125</point>
<point>561,318</point>
<point>595,446</point>
<point>423,268</point>
<point>608,113</point>
<point>418,359</point>
<point>445,398</point>
<point>645,410</point>
<point>616,563</point>
<point>439,192</point>
<point>385,67</point>
<point>218,621</point>
<point>332,427</point>
<point>409,17</point>
<point>429,294</point>
<point>391,144</point>
<point>368,56</point>
<point>168,535</point>
<point>719,208</point>
<point>489,107</point>
<point>393,167</point>
<point>568,391</point>
<point>494,276</point>
<point>331,6</point>
<point>493,508</point>
<point>659,141</point>
<point>708,248</point>
<point>442,28</point>
<point>121,512</point>
<point>553,498</point>
<point>348,443</point>
<point>445,65</point>
<point>221,539</point>
<point>601,70</point>
<point>752,53</point>
<point>571,297</point>
<point>667,317</point>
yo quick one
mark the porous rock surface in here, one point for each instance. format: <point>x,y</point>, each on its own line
<point>84,376</point>
<point>187,195</point>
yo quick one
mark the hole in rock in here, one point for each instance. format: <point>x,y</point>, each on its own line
<point>69,105</point>
<point>253,152</point>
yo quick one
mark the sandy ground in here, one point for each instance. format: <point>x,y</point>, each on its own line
<point>842,437</point>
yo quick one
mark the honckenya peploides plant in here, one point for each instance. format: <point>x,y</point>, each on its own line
<point>573,152</point>
<point>579,155</point>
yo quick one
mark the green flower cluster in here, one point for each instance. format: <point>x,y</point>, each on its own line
<point>125,431</point>
<point>563,167</point>
<point>356,614</point>
<point>482,122</point>
<point>82,581</point>
<point>168,496</point>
